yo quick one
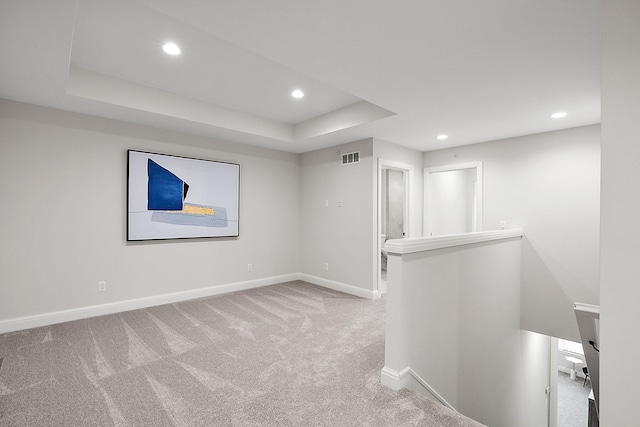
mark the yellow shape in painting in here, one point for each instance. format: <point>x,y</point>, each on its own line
<point>197,210</point>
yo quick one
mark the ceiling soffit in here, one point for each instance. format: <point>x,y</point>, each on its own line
<point>116,58</point>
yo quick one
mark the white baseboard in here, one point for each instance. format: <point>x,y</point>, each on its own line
<point>20,323</point>
<point>409,379</point>
<point>393,379</point>
<point>342,287</point>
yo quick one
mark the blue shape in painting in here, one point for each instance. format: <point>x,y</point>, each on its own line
<point>165,190</point>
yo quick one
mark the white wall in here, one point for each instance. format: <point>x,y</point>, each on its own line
<point>620,250</point>
<point>63,216</point>
<point>341,236</point>
<point>346,237</point>
<point>547,185</point>
<point>66,176</point>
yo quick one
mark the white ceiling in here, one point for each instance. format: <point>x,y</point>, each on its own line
<point>403,71</point>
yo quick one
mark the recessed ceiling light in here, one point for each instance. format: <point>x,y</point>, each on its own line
<point>297,93</point>
<point>171,48</point>
<point>559,115</point>
<point>442,137</point>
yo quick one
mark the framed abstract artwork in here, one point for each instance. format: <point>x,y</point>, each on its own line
<point>172,197</point>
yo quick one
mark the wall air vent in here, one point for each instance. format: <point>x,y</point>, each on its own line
<point>350,158</point>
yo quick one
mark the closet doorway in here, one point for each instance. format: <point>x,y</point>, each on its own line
<point>453,199</point>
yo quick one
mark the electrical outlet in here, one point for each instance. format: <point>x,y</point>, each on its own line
<point>249,267</point>
<point>326,266</point>
<point>102,286</point>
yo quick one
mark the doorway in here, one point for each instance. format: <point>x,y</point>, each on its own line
<point>569,387</point>
<point>453,199</point>
<point>573,385</point>
<point>394,182</point>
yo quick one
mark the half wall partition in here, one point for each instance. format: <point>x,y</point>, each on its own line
<point>453,324</point>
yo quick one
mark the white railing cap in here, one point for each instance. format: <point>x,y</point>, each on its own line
<point>421,244</point>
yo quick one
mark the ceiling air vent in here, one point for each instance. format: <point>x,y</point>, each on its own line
<point>349,158</point>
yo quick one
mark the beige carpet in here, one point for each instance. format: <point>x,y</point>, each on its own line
<point>286,355</point>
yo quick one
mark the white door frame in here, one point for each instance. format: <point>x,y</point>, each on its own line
<point>553,382</point>
<point>408,185</point>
